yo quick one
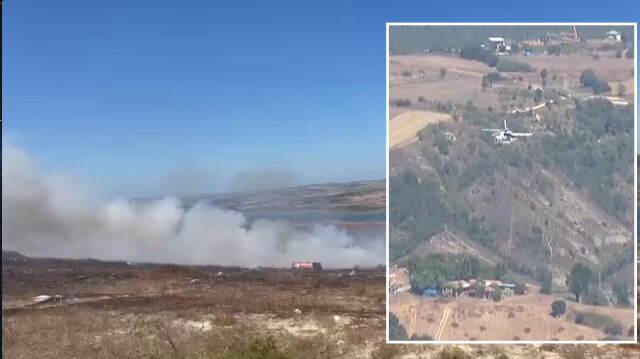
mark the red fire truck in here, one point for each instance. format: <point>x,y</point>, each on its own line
<point>306,265</point>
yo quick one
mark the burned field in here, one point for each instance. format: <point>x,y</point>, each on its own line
<point>118,309</point>
<point>114,309</point>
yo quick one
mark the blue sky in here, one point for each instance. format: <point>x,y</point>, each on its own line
<point>125,93</point>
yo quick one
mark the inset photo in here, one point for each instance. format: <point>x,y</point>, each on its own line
<point>511,183</point>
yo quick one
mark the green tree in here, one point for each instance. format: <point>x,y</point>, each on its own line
<point>547,284</point>
<point>558,308</point>
<point>499,271</point>
<point>621,292</point>
<point>588,78</point>
<point>579,280</point>
<point>497,294</point>
<point>520,288</point>
<point>600,86</point>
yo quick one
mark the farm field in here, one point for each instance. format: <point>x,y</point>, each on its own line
<point>403,128</point>
<point>517,318</point>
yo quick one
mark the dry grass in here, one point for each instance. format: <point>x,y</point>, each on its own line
<point>403,128</point>
<point>164,313</point>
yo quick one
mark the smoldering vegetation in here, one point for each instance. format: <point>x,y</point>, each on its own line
<point>54,216</point>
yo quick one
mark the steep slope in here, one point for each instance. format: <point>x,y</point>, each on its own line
<point>546,202</point>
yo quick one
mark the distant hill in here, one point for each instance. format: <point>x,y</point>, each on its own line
<point>12,256</point>
<point>412,39</point>
<point>363,196</point>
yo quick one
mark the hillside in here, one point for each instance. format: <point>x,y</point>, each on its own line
<point>539,205</point>
<point>363,196</point>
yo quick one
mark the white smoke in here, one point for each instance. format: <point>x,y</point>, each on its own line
<point>52,216</point>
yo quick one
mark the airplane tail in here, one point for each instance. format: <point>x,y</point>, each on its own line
<point>505,124</point>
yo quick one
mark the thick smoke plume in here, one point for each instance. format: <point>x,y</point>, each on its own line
<point>51,216</point>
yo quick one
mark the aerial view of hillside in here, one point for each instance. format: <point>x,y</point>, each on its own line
<point>511,188</point>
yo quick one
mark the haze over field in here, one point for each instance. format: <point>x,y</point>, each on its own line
<point>48,216</point>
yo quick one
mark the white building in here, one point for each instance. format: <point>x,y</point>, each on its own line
<point>498,45</point>
<point>614,35</point>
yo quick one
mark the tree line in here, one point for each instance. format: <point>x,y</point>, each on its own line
<point>413,39</point>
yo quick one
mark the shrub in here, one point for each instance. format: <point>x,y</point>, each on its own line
<point>494,77</point>
<point>600,87</point>
<point>613,329</point>
<point>558,308</point>
<point>401,103</point>
<point>544,73</point>
<point>454,353</point>
<point>547,284</point>
<point>537,95</point>
<point>554,50</point>
<point>407,73</point>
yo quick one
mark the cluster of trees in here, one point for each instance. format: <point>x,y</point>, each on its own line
<point>582,281</point>
<point>436,270</point>
<point>506,65</point>
<point>600,145</point>
<point>588,78</point>
<point>476,52</point>
<point>421,209</point>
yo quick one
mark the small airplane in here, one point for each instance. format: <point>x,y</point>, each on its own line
<point>505,136</point>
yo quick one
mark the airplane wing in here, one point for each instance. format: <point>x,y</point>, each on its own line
<point>491,130</point>
<point>521,134</point>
